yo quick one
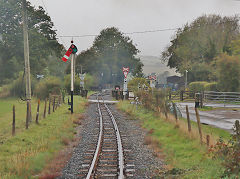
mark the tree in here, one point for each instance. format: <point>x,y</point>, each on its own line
<point>42,39</point>
<point>200,42</point>
<point>228,71</point>
<point>111,51</point>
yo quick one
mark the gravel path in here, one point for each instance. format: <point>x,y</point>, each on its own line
<point>139,159</point>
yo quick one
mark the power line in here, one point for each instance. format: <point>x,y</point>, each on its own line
<point>127,33</point>
<point>152,31</point>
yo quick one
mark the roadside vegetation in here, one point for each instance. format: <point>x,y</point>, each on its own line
<point>185,157</point>
<point>171,139</point>
<point>27,153</point>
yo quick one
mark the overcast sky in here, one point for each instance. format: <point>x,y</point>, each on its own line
<point>83,17</point>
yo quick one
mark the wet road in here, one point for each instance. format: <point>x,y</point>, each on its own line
<point>221,117</point>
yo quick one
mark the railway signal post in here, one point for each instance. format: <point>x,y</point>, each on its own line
<point>71,52</point>
<point>125,73</point>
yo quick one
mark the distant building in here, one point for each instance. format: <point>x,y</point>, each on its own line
<point>175,82</point>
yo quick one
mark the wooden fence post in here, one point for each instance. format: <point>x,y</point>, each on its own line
<point>188,119</point>
<point>49,106</point>
<point>37,116</point>
<point>199,124</point>
<point>175,112</point>
<point>181,95</point>
<point>208,140</point>
<point>45,109</point>
<point>53,104</point>
<point>237,126</point>
<point>13,123</point>
<point>28,114</point>
<point>201,100</point>
<point>59,100</point>
<point>166,109</point>
<point>56,105</point>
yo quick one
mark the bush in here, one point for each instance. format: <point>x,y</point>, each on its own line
<point>197,86</point>
<point>67,84</point>
<point>48,85</point>
<point>135,82</point>
<point>89,82</point>
<point>211,86</point>
<point>229,153</point>
<point>17,87</point>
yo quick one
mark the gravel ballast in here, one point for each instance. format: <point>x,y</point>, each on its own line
<point>140,160</point>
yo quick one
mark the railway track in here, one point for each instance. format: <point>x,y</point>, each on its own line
<point>105,159</point>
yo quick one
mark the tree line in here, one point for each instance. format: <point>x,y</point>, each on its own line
<point>43,44</point>
<point>209,49</point>
<point>111,50</point>
<point>103,62</point>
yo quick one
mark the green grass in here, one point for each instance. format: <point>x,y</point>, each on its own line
<point>182,152</point>
<point>207,129</point>
<point>206,108</point>
<point>27,153</point>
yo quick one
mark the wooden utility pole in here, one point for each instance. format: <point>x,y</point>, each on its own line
<point>26,59</point>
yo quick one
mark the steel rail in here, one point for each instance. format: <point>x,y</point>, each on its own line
<point>98,149</point>
<point>119,142</point>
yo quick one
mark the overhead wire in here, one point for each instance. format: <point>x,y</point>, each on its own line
<point>127,33</point>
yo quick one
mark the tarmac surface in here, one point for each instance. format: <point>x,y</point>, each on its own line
<point>222,116</point>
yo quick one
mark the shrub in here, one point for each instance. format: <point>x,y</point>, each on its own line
<point>67,84</point>
<point>46,86</point>
<point>211,86</point>
<point>197,86</point>
<point>229,153</point>
<point>136,82</point>
<point>89,82</point>
<point>17,87</point>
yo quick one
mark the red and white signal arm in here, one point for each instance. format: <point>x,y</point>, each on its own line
<point>72,49</point>
<point>67,55</point>
<point>154,77</point>
<point>125,71</point>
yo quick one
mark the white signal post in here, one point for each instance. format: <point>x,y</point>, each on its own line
<point>72,81</point>
<point>71,51</point>
<point>72,71</point>
<point>125,73</point>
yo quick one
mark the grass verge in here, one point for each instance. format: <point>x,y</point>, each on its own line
<point>185,157</point>
<point>26,154</point>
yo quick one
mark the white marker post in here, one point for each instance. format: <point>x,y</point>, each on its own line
<point>82,77</point>
<point>72,81</point>
<point>125,89</point>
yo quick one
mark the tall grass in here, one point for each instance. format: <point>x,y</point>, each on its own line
<point>182,150</point>
<point>26,154</point>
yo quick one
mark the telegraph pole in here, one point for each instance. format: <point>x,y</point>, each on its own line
<point>26,59</point>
